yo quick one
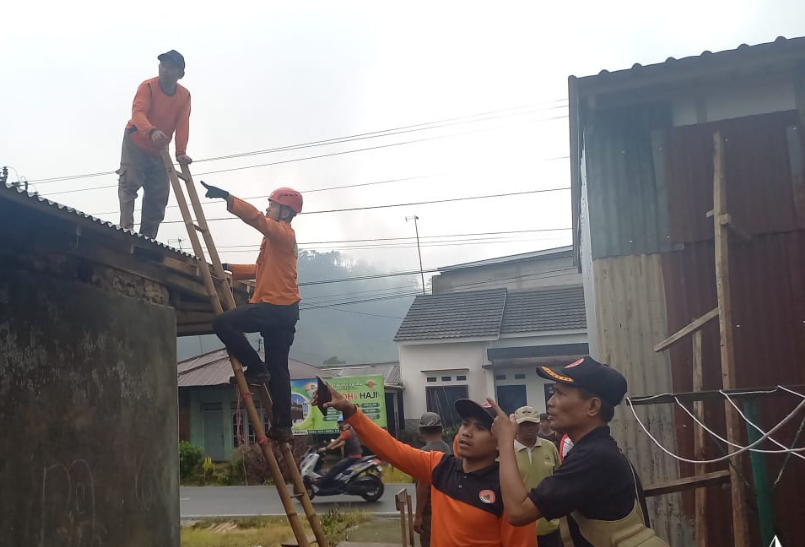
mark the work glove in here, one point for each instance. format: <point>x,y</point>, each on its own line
<point>213,192</point>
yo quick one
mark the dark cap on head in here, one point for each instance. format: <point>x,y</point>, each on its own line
<point>430,419</point>
<point>174,56</point>
<point>599,379</point>
<point>467,408</point>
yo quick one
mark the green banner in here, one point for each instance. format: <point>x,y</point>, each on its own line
<point>365,391</point>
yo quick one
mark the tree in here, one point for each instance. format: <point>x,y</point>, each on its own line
<point>334,360</point>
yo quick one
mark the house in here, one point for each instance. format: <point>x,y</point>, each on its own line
<point>88,320</point>
<point>468,341</point>
<point>210,415</point>
<point>642,171</point>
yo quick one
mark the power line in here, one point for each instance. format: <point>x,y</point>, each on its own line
<point>362,301</point>
<point>485,116</point>
<point>307,158</point>
<point>410,204</point>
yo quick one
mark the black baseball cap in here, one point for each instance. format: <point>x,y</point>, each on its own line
<point>174,56</point>
<point>468,408</point>
<point>597,378</point>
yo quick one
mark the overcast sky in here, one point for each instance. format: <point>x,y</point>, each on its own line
<point>269,74</point>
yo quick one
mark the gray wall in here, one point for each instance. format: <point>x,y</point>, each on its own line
<point>88,451</point>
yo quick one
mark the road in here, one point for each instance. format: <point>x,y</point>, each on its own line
<point>242,501</point>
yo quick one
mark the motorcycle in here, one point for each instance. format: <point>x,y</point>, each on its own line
<point>363,478</point>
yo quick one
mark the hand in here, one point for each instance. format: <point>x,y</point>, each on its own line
<point>184,159</point>
<point>504,427</point>
<point>338,401</point>
<point>418,525</point>
<point>213,192</point>
<point>159,138</point>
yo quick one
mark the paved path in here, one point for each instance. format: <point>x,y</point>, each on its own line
<point>243,501</point>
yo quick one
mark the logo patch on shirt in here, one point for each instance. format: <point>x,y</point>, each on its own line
<point>487,496</point>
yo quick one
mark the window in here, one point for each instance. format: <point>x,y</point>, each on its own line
<point>500,376</point>
<point>431,378</point>
<point>441,399</point>
<point>510,398</point>
<point>447,378</point>
<point>519,376</point>
<point>461,378</point>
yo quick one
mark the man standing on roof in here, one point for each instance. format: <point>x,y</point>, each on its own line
<point>161,106</point>
<point>430,427</point>
<point>596,490</point>
<point>273,309</point>
<point>465,488</point>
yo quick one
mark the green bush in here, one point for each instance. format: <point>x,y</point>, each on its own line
<point>190,458</point>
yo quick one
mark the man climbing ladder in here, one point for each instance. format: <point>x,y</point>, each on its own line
<point>274,307</point>
<point>221,299</point>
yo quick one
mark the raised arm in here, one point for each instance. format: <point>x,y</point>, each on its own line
<point>519,508</point>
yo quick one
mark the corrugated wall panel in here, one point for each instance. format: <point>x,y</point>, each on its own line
<point>760,186</point>
<point>630,300</point>
<point>768,296</point>
<point>627,202</point>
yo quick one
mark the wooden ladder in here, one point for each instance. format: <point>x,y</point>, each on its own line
<point>219,290</point>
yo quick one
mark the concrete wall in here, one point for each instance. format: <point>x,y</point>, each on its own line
<point>418,362</point>
<point>515,276</point>
<point>88,454</point>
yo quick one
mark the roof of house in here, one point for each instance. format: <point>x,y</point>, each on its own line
<point>213,369</point>
<point>492,313</point>
<point>539,310</point>
<point>522,257</point>
<point>389,370</point>
<point>780,50</point>
<point>53,228</point>
<point>471,314</point>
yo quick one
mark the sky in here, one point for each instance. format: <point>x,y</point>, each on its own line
<point>264,75</point>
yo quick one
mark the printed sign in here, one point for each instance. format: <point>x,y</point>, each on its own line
<point>367,392</point>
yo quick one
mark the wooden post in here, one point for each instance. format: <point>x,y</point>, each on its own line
<point>739,525</point>
<point>700,522</point>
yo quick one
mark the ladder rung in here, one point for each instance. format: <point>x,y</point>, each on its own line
<point>181,176</point>
<point>200,229</point>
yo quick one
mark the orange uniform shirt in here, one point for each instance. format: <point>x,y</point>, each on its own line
<point>153,109</point>
<point>467,507</point>
<point>275,270</point>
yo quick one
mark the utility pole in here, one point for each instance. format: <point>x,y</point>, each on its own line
<point>418,249</point>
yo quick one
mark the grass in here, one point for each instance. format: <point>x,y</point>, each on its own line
<point>392,475</point>
<point>376,531</point>
<point>266,531</point>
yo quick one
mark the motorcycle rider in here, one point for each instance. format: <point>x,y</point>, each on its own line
<point>352,451</point>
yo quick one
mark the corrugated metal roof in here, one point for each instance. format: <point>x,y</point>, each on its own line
<point>522,257</point>
<point>390,371</point>
<point>16,193</point>
<point>778,50</point>
<point>214,369</point>
<point>544,310</point>
<point>470,314</point>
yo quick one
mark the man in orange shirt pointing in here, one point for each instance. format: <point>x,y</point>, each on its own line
<point>274,307</point>
<point>161,106</point>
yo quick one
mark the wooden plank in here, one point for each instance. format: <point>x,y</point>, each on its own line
<point>700,501</point>
<point>400,499</point>
<point>691,327</point>
<point>740,529</point>
<point>686,483</point>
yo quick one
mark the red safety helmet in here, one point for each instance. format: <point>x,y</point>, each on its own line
<point>288,197</point>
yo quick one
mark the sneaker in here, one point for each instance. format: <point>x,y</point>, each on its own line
<point>280,434</point>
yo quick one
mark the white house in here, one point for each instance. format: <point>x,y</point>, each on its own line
<point>478,342</point>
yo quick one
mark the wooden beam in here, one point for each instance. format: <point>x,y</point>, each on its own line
<point>687,483</point>
<point>700,469</point>
<point>690,328</point>
<point>726,220</point>
<point>740,528</point>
